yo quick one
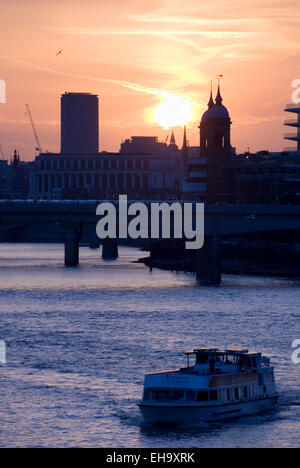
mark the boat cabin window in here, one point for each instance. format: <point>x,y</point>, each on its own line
<point>202,395</point>
<point>202,358</point>
<point>168,395</point>
<point>190,395</point>
<point>229,360</point>
<point>213,395</point>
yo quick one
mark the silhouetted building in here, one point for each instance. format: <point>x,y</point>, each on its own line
<point>143,144</point>
<point>79,123</point>
<point>217,175</point>
<point>106,175</point>
<point>194,186</point>
<point>263,178</point>
<point>215,146</point>
<point>15,178</point>
<point>148,169</point>
<point>294,123</point>
<point>205,179</point>
<point>143,169</point>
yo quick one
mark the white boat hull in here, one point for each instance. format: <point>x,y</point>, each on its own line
<point>178,414</point>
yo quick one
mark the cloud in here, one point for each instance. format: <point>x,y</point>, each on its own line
<point>255,120</point>
<point>230,24</point>
<point>213,34</point>
<point>126,84</point>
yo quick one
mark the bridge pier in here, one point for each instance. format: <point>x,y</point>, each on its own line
<point>71,234</point>
<point>71,239</point>
<point>110,249</point>
<point>208,262</point>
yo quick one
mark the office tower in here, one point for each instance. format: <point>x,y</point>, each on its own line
<point>79,123</point>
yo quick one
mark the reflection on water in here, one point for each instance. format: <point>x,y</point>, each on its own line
<point>79,341</point>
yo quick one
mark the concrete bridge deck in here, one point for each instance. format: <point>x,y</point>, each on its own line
<point>219,220</point>
<point>223,218</point>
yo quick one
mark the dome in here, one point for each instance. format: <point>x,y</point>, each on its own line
<point>217,111</point>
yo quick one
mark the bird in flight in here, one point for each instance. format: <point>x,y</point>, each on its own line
<point>59,52</point>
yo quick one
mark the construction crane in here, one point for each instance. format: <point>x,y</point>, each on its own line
<point>39,148</point>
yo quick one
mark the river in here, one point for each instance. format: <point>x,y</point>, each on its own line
<point>79,341</point>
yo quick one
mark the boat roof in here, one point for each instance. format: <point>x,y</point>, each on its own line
<point>229,351</point>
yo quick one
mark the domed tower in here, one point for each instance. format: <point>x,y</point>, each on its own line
<point>215,146</point>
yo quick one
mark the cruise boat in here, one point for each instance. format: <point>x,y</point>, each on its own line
<point>216,386</point>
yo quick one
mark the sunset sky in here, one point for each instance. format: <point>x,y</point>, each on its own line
<point>135,54</point>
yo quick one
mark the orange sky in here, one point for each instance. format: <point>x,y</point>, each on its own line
<point>130,52</point>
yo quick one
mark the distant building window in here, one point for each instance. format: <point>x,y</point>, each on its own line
<point>137,164</point>
<point>112,180</point>
<point>146,164</point>
<point>145,181</point>
<point>136,181</point>
<point>104,180</point>
<point>105,164</point>
<point>113,164</point>
<point>128,181</point>
<point>129,164</point>
<point>120,181</point>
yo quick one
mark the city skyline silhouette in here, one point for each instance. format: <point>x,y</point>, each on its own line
<point>137,55</point>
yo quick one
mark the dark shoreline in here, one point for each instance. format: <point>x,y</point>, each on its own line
<point>233,267</point>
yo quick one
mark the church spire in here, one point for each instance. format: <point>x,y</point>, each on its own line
<point>184,137</point>
<point>211,101</point>
<point>185,152</point>
<point>219,97</point>
<point>172,141</point>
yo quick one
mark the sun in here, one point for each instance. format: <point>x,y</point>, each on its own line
<point>175,111</point>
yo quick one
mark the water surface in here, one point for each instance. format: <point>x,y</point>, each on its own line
<point>79,341</point>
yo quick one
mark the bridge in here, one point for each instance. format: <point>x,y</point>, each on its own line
<point>220,220</point>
